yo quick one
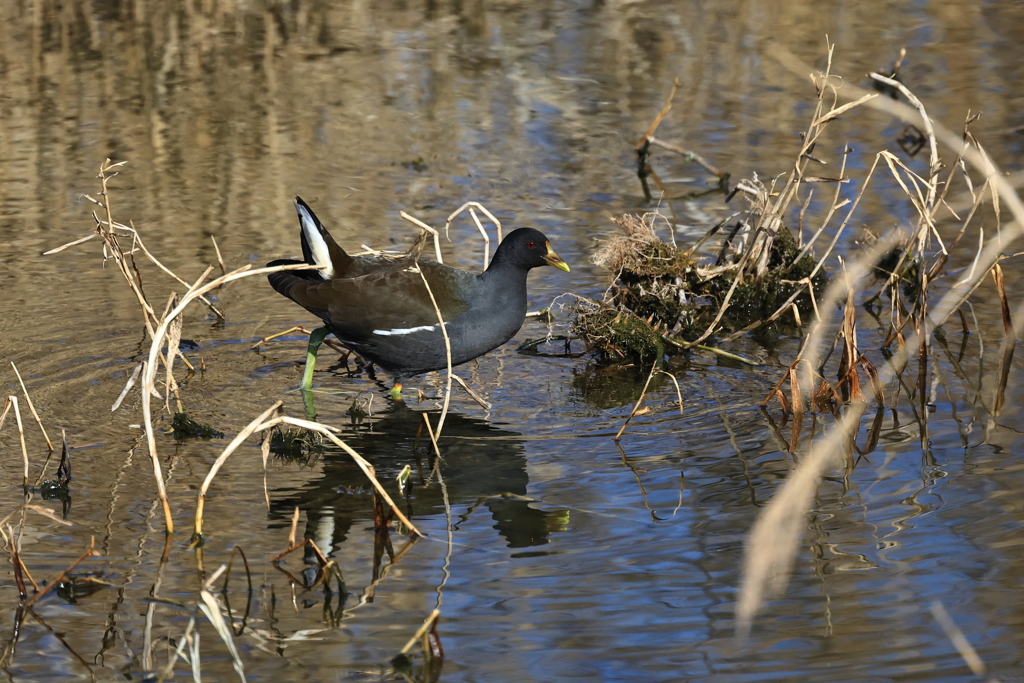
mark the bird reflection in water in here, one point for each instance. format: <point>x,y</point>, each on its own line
<point>483,467</point>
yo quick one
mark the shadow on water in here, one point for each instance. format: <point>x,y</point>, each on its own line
<point>484,468</point>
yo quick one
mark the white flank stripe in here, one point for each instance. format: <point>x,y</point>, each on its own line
<point>407,330</point>
<point>321,255</point>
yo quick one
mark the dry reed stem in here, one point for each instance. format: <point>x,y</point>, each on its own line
<point>997,277</point>
<point>161,266</point>
<point>220,259</point>
<point>44,511</point>
<point>929,130</point>
<point>292,547</point>
<point>430,433</point>
<point>836,113</point>
<point>960,642</point>
<point>110,240</point>
<point>211,608</point>
<point>265,453</point>
<point>472,394</point>
<point>32,407</point>
<point>173,342</point>
<point>772,543</point>
<point>176,654</point>
<point>665,109</point>
<point>21,433</point>
<point>636,406</point>
<point>294,527</point>
<point>447,353</point>
<point>222,458</point>
<point>3,416</point>
<point>487,240</point>
<point>127,387</point>
<point>89,552</point>
<point>420,224</point>
<point>17,560</point>
<point>19,566</point>
<point>421,631</point>
<point>299,328</point>
<point>689,155</point>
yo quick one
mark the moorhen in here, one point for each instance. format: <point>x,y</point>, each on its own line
<point>379,307</point>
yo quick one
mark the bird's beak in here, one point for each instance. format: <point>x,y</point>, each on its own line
<point>554,259</point>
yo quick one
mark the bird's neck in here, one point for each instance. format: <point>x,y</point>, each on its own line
<point>500,263</point>
<point>504,275</point>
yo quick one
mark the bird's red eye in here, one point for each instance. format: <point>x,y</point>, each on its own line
<point>531,245</point>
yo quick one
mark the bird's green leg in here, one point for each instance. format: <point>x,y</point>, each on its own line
<point>308,404</point>
<point>316,338</point>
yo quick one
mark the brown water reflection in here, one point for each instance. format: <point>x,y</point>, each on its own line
<point>615,570</point>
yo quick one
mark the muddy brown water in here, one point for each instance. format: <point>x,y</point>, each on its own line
<point>568,558</point>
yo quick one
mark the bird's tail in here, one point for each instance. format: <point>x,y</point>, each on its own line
<point>318,247</point>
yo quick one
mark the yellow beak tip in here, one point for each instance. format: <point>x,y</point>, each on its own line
<point>555,260</point>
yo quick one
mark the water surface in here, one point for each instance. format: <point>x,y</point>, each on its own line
<point>570,558</point>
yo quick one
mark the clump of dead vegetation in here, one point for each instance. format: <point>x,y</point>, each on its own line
<point>662,298</point>
<point>665,299</point>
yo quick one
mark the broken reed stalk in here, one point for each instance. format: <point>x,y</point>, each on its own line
<point>292,547</point>
<point>20,568</point>
<point>18,565</point>
<point>185,639</point>
<point>487,240</point>
<point>772,543</point>
<point>960,642</point>
<point>127,387</point>
<point>21,433</point>
<point>42,510</point>
<point>32,407</point>
<point>304,331</point>
<point>636,406</point>
<point>89,552</point>
<point>220,259</point>
<point>211,608</point>
<point>421,631</point>
<point>150,367</point>
<point>420,224</point>
<point>480,401</point>
<point>222,458</point>
<point>294,527</point>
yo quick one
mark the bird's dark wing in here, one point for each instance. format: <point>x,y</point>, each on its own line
<point>391,300</point>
